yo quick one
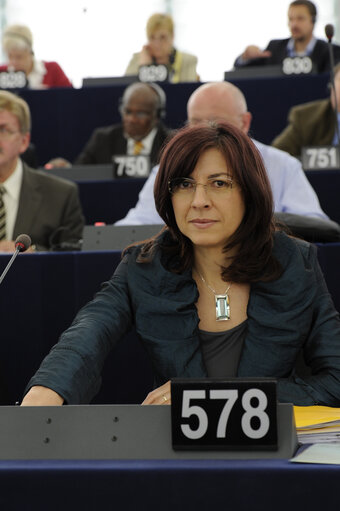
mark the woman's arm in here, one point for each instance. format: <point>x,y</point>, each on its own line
<point>73,367</point>
<point>321,351</point>
<point>42,396</point>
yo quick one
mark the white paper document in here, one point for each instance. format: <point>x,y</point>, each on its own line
<point>319,453</point>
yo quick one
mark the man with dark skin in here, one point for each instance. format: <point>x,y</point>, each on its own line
<point>141,109</point>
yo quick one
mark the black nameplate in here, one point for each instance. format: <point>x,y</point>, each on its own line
<point>131,166</point>
<point>13,80</point>
<point>224,414</point>
<point>297,65</point>
<point>320,157</point>
<point>153,73</point>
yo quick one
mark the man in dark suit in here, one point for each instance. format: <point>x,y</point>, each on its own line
<point>141,131</point>
<point>312,124</point>
<point>301,21</point>
<point>45,207</point>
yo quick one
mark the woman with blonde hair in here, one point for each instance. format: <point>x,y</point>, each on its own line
<point>160,50</point>
<point>17,43</point>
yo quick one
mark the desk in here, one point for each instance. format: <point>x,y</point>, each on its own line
<point>108,201</point>
<point>261,485</point>
<point>42,293</point>
<point>63,119</point>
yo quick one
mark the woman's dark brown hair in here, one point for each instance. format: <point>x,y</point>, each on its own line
<point>254,236</point>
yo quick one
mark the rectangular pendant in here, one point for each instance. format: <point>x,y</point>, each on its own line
<point>222,307</point>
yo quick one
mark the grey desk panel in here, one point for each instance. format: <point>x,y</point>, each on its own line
<point>113,432</point>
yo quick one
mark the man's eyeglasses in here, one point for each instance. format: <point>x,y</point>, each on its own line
<point>140,114</point>
<point>6,133</point>
<point>186,186</point>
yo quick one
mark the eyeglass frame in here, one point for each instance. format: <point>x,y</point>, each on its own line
<point>140,114</point>
<point>206,186</point>
<point>6,133</point>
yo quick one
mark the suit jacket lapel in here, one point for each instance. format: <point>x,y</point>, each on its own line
<point>29,202</point>
<point>118,142</point>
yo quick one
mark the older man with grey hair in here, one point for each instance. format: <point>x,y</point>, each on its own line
<point>291,189</point>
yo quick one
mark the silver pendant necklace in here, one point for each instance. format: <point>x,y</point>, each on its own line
<point>222,302</point>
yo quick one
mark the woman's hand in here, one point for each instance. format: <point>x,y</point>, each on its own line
<point>42,396</point>
<point>145,57</point>
<point>159,396</point>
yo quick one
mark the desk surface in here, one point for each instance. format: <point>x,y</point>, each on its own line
<point>259,485</point>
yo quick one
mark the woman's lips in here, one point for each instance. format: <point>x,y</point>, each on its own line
<point>202,223</point>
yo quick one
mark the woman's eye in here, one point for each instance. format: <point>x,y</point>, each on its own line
<point>221,184</point>
<point>185,184</point>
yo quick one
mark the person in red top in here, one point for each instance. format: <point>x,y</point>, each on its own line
<point>17,43</point>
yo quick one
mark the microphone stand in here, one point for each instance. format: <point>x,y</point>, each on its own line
<point>3,275</point>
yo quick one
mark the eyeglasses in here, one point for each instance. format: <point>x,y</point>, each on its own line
<point>140,114</point>
<point>186,186</point>
<point>6,133</point>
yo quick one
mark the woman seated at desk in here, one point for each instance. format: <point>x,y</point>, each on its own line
<point>160,50</point>
<point>17,42</point>
<point>219,292</point>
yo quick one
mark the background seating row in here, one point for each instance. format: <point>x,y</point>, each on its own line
<point>63,119</point>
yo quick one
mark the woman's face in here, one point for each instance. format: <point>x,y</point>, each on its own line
<point>20,60</point>
<point>161,43</point>
<point>209,215</point>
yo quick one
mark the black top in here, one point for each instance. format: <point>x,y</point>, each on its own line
<point>221,351</point>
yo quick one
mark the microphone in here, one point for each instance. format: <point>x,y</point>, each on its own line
<point>329,31</point>
<point>22,243</point>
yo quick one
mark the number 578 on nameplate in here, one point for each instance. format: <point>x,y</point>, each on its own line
<point>224,414</point>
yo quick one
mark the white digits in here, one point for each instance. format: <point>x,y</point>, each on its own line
<point>255,411</point>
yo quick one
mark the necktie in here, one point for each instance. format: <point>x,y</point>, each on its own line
<point>2,215</point>
<point>137,147</point>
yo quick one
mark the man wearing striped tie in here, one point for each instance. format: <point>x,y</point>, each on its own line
<point>31,201</point>
<point>2,215</point>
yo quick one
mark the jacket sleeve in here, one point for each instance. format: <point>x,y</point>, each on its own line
<point>89,153</point>
<point>133,65</point>
<point>290,139</point>
<point>73,366</point>
<point>321,352</point>
<point>188,71</point>
<point>58,78</point>
<point>72,216</point>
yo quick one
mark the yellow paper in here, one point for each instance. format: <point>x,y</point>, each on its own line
<point>312,415</point>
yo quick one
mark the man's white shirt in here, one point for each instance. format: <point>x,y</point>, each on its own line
<point>11,198</point>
